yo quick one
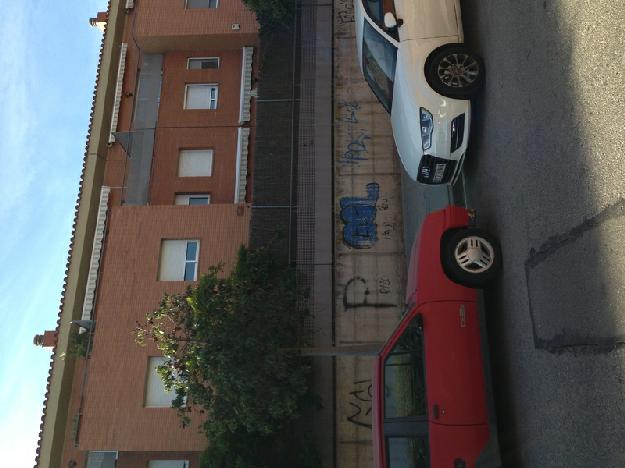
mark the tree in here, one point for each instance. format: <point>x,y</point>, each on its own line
<point>271,12</point>
<point>231,348</point>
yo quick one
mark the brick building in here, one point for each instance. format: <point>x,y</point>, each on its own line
<point>164,194</point>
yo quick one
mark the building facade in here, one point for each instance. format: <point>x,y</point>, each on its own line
<point>165,193</point>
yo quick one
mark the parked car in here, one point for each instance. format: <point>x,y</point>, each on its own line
<point>411,53</point>
<point>430,402</point>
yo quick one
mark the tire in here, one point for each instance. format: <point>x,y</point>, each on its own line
<point>454,71</point>
<point>471,257</point>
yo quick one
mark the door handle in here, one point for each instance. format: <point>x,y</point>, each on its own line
<point>436,412</point>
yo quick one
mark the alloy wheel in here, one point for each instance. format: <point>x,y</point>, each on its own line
<point>474,254</point>
<point>458,70</point>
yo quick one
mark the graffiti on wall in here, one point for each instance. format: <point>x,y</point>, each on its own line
<point>349,111</point>
<point>358,214</point>
<point>345,11</point>
<point>360,403</point>
<point>356,149</point>
<point>356,293</point>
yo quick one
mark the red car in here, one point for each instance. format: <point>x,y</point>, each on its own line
<point>430,402</point>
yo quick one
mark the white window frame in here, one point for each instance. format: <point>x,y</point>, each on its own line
<point>94,462</point>
<point>186,261</point>
<point>186,5</point>
<point>158,463</point>
<point>185,198</point>
<point>197,150</point>
<point>194,261</point>
<point>203,58</point>
<point>212,100</point>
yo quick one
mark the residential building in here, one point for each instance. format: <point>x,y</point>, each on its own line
<point>164,194</point>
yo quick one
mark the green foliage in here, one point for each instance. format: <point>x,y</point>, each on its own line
<point>271,12</point>
<point>231,349</point>
<point>287,449</point>
<point>78,344</point>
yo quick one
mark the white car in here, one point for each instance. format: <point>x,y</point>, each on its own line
<point>411,54</point>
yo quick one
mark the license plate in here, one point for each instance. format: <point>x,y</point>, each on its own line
<point>439,172</point>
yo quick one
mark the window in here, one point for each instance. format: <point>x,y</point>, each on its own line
<point>156,396</point>
<point>379,58</point>
<point>407,452</point>
<point>202,3</point>
<point>101,459</point>
<point>195,163</point>
<point>374,10</point>
<point>202,63</point>
<point>404,377</point>
<point>193,199</point>
<point>168,464</point>
<point>201,96</point>
<point>179,259</point>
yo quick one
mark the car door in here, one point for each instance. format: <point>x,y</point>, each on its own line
<point>424,19</point>
<point>434,403</point>
<point>454,367</point>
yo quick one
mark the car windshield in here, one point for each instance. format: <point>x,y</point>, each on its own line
<point>404,377</point>
<point>379,58</point>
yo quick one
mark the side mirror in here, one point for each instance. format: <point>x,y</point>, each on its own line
<point>389,20</point>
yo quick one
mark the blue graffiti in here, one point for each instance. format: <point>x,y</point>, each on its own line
<point>358,214</point>
<point>356,150</point>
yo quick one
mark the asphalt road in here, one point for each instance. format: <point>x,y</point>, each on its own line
<point>546,172</point>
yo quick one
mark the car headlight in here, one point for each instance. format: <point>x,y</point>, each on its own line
<point>427,127</point>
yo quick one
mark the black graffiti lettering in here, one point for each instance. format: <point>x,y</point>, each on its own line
<point>351,109</point>
<point>387,230</point>
<point>384,285</point>
<point>357,288</point>
<point>363,395</point>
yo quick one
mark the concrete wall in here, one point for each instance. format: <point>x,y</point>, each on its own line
<point>369,263</point>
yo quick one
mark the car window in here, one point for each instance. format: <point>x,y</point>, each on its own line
<point>379,58</point>
<point>374,10</point>
<point>404,376</point>
<point>407,452</point>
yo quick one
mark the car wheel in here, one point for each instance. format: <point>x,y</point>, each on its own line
<point>454,71</point>
<point>471,257</point>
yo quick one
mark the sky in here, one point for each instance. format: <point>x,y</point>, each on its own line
<point>48,63</point>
